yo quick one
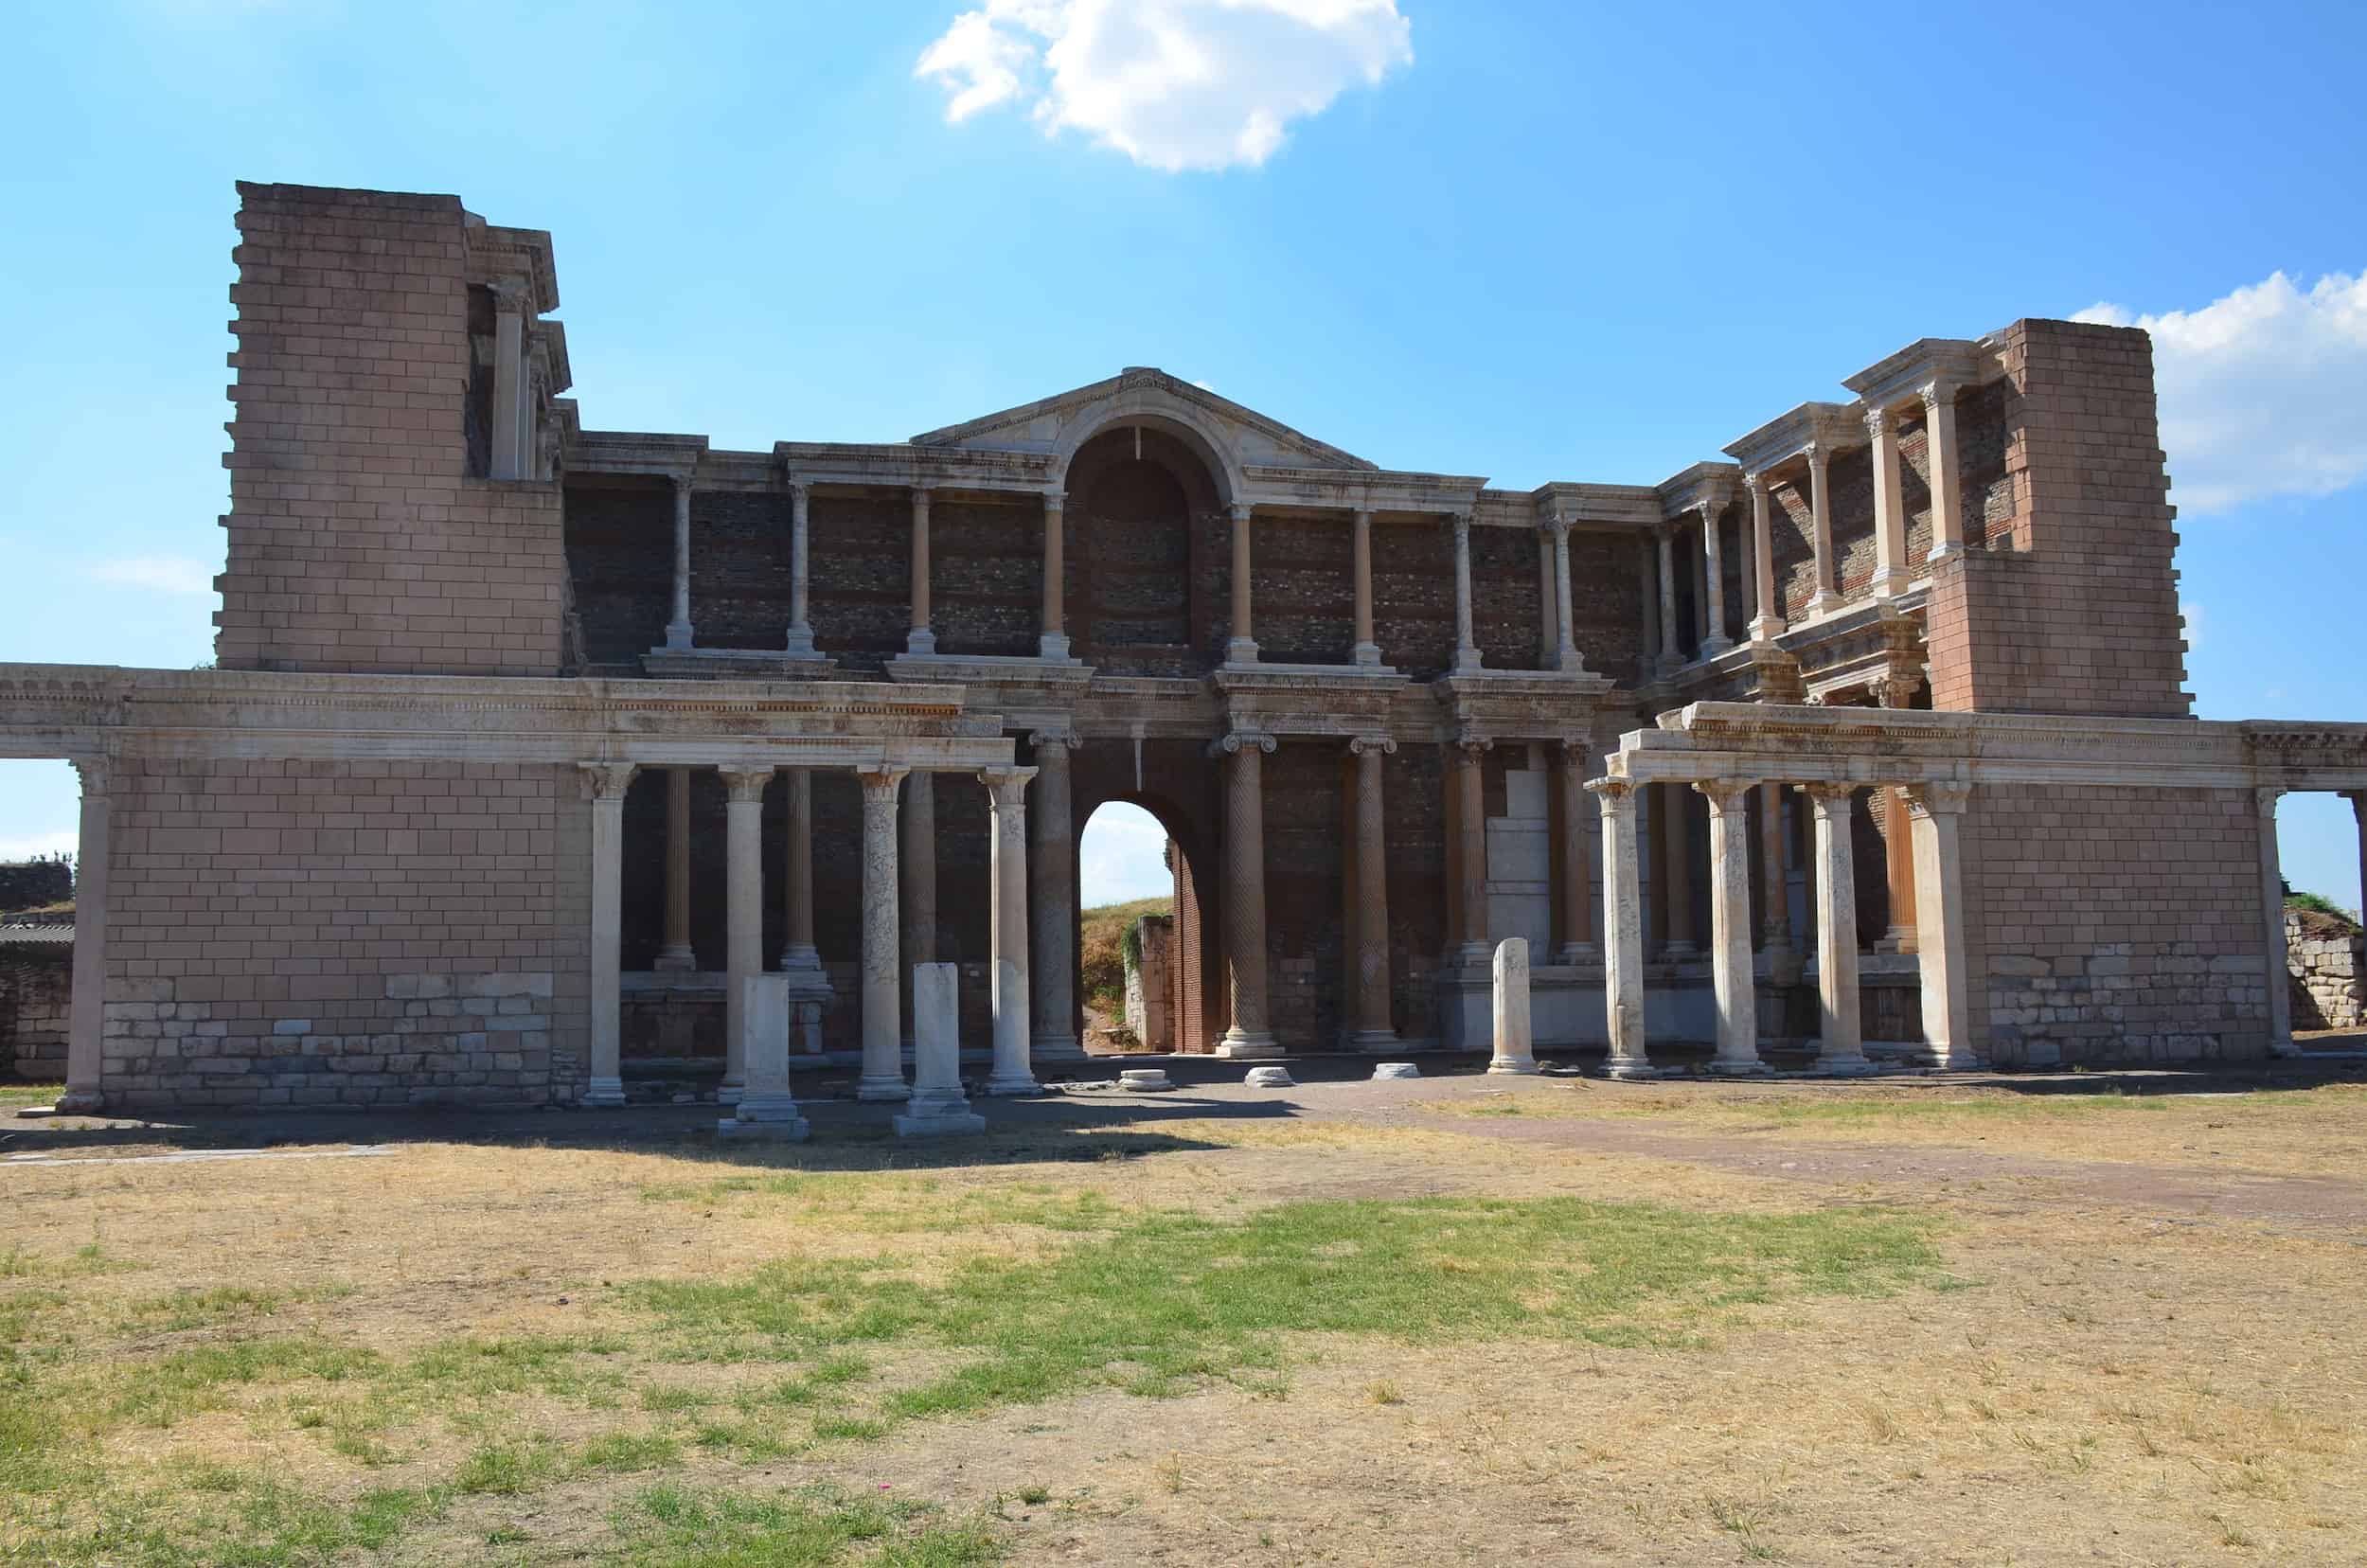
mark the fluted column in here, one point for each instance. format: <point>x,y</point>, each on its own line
<point>1714,584</point>
<point>1782,958</point>
<point>1053,642</point>
<point>2275,972</point>
<point>917,884</point>
<point>1243,648</point>
<point>1548,605</point>
<point>1466,654</point>
<point>1565,641</point>
<point>1676,843</point>
<point>1767,621</point>
<point>676,956</point>
<point>1375,1027</point>
<point>86,1015</point>
<point>1471,819</point>
<point>1669,657</point>
<point>1842,1049</point>
<point>1007,802</point>
<point>1889,506</point>
<point>509,326</point>
<point>1936,812</point>
<point>604,785</point>
<point>1251,1034</point>
<point>920,639</point>
<point>800,639</point>
<point>1730,979</point>
<point>1939,442</point>
<point>883,992</point>
<point>743,894</point>
<point>1366,651</point>
<point>678,624</point>
<point>1623,930</point>
<point>1828,595</point>
<point>1574,894</point>
<point>1054,916</point>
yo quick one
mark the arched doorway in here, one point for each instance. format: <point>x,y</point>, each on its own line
<point>1142,918</point>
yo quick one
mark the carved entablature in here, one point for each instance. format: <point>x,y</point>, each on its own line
<point>1521,706</point>
<point>1946,365</point>
<point>635,451</point>
<point>1710,486</point>
<point>1308,701</point>
<point>1872,650</point>
<point>1823,426</point>
<point>2300,756</point>
<point>498,255</point>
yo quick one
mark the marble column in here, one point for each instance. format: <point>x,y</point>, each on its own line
<point>1889,506</point>
<point>1676,841</point>
<point>1574,894</point>
<point>1842,1048</point>
<point>1939,444</point>
<point>678,636</point>
<point>800,639</point>
<point>1471,820</point>
<point>1007,801</point>
<point>1548,606</point>
<point>1245,895</point>
<point>1243,648</point>
<point>917,884</point>
<point>1366,651</point>
<point>1713,640</point>
<point>743,913</point>
<point>1899,854</point>
<point>676,956</point>
<point>1767,623</point>
<point>1936,812</point>
<point>920,639</point>
<point>1828,595</point>
<point>883,992</point>
<point>798,953</point>
<point>86,1017</point>
<point>1375,1026</point>
<point>1565,641</point>
<point>509,326</point>
<point>1052,643</point>
<point>1466,654</point>
<point>1054,851</point>
<point>1782,958</point>
<point>1669,657</point>
<point>2275,974</point>
<point>1623,930</point>
<point>604,785</point>
<point>1731,977</point>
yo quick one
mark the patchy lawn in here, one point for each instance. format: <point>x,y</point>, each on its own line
<point>1309,1339</point>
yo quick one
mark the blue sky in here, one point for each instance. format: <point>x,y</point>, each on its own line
<point>1529,240</point>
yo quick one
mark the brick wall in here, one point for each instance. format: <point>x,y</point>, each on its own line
<point>347,933</point>
<point>1507,610</point>
<point>859,584</point>
<point>1607,603</point>
<point>2075,611</point>
<point>1305,838</point>
<point>1306,592</point>
<point>2115,925</point>
<point>740,568</point>
<point>36,1009</point>
<point>1414,594</point>
<point>619,537</point>
<point>357,538</point>
<point>985,566</point>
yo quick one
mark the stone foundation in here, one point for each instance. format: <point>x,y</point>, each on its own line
<point>2328,970</point>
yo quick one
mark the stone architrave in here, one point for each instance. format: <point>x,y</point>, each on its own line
<point>1514,1053</point>
<point>1622,930</point>
<point>882,1026</point>
<point>1250,1037</point>
<point>1052,947</point>
<point>604,785</point>
<point>743,909</point>
<point>1842,1047</point>
<point>1736,989</point>
<point>766,1109</point>
<point>1935,816</point>
<point>1007,796</point>
<point>86,1026</point>
<point>939,1106</point>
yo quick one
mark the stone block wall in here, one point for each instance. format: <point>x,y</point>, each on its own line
<point>358,539</point>
<point>2328,967</point>
<point>2078,611</point>
<point>36,1009</point>
<point>347,934</point>
<point>2115,925</point>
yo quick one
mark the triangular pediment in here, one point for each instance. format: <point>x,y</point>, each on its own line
<point>1061,422</point>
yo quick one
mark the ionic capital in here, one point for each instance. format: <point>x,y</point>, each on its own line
<point>1008,786</point>
<point>1054,501</point>
<point>1936,798</point>
<point>605,780</point>
<point>1239,740</point>
<point>1241,510</point>
<point>744,785</point>
<point>1358,745</point>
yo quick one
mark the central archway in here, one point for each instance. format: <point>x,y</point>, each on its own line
<point>1134,862</point>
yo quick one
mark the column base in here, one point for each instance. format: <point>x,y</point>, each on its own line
<point>799,643</point>
<point>1765,628</point>
<point>1467,661</point>
<point>1367,655</point>
<point>1752,1068</point>
<point>605,1092</point>
<point>1052,645</point>
<point>741,1129</point>
<point>1055,1048</point>
<point>940,1124</point>
<point>1241,650</point>
<point>1617,1069</point>
<point>1238,1046</point>
<point>1891,583</point>
<point>1952,550</point>
<point>678,637</point>
<point>2276,1048</point>
<point>1895,940</point>
<point>1672,951</point>
<point>1472,953</point>
<point>90,1102</point>
<point>1822,602</point>
<point>1003,1085</point>
<point>731,1092</point>
<point>675,960</point>
<point>1713,647</point>
<point>1374,1041</point>
<point>869,1088</point>
<point>920,640</point>
<point>1850,1064</point>
<point>1513,1067</point>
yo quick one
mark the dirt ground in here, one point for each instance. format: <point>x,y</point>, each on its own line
<point>2140,1344</point>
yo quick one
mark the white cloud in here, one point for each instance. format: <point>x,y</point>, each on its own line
<point>1121,856</point>
<point>2261,391</point>
<point>1173,84</point>
<point>157,573</point>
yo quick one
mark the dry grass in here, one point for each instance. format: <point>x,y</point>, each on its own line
<point>531,1354</point>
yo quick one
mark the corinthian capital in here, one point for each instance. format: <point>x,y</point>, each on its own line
<point>605,780</point>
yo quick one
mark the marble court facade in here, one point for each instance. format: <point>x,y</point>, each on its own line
<point>530,746</point>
